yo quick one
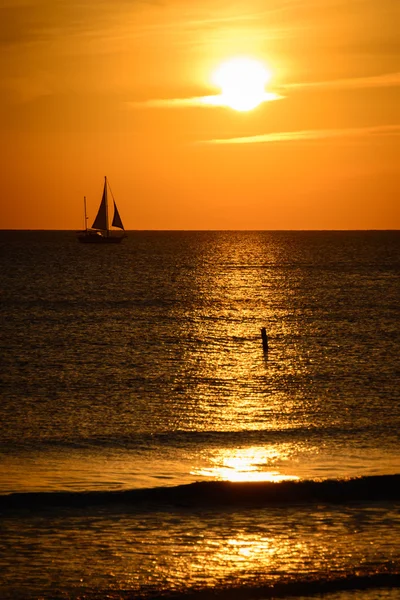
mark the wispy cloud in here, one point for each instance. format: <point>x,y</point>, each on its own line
<point>29,21</point>
<point>210,101</point>
<point>310,135</point>
<point>374,81</point>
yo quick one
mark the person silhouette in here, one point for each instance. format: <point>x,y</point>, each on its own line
<point>264,338</point>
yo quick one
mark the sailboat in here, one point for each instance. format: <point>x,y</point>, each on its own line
<point>100,232</point>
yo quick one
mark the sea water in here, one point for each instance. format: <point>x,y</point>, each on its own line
<point>151,448</point>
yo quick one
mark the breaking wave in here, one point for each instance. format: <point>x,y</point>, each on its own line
<point>214,494</point>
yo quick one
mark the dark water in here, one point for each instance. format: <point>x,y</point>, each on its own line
<point>131,372</point>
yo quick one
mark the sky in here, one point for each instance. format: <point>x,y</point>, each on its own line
<point>125,88</point>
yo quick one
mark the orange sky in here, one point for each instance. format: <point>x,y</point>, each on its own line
<point>90,88</point>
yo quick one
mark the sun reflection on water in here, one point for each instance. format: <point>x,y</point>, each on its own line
<point>246,464</point>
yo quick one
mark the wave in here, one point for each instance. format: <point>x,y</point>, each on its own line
<point>284,589</point>
<point>186,439</point>
<point>386,579</point>
<point>218,494</point>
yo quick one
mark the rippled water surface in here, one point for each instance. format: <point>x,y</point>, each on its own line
<point>141,366</point>
<point>172,550</point>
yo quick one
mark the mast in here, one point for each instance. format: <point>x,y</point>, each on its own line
<point>106,200</point>
<point>84,208</point>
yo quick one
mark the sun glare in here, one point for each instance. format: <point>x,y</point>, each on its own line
<point>242,82</point>
<point>246,464</point>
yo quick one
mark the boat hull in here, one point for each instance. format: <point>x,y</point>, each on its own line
<point>99,239</point>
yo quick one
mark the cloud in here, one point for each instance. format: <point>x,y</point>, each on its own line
<point>210,101</point>
<point>168,102</point>
<point>374,81</point>
<point>309,135</point>
<point>29,21</point>
<point>40,21</point>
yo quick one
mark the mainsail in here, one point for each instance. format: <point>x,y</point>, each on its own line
<point>101,220</point>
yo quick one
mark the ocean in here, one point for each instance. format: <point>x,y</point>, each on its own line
<point>151,448</point>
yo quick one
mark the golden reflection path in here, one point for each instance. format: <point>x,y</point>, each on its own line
<point>247,464</point>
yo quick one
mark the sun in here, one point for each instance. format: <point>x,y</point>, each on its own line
<point>242,82</point>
